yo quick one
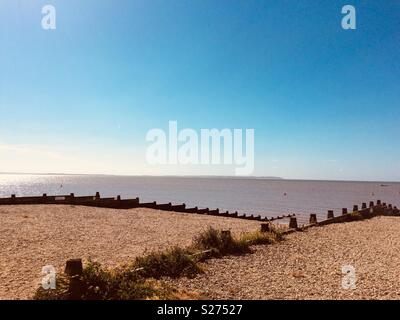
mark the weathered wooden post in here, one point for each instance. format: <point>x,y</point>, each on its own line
<point>371,204</point>
<point>313,218</point>
<point>265,227</point>
<point>330,214</point>
<point>13,198</point>
<point>118,200</point>
<point>389,209</point>
<point>72,197</point>
<point>355,208</point>
<point>74,270</point>
<point>364,205</point>
<point>293,223</point>
<point>344,211</point>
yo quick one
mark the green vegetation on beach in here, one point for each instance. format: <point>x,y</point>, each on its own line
<point>141,278</point>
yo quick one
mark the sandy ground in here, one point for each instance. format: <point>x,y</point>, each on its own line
<point>308,265</point>
<point>33,236</point>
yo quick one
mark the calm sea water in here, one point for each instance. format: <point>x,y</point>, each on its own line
<point>259,196</point>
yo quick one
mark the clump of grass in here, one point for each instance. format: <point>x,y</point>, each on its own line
<point>98,283</point>
<point>221,243</point>
<point>258,237</point>
<point>174,262</point>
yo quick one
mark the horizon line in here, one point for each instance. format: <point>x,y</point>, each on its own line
<point>196,176</point>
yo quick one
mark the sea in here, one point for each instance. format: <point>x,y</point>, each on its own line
<point>259,196</point>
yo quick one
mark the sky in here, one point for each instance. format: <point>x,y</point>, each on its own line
<point>323,101</point>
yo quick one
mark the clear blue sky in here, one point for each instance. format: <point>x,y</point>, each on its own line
<point>324,102</point>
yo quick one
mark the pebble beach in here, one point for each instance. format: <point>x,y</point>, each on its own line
<point>33,236</point>
<point>306,265</point>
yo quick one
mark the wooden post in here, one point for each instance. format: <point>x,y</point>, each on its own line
<point>371,204</point>
<point>71,197</point>
<point>74,269</point>
<point>293,223</point>
<point>118,198</point>
<point>44,198</point>
<point>355,208</point>
<point>344,211</point>
<point>97,195</point>
<point>364,205</point>
<point>313,218</point>
<point>330,214</point>
<point>265,227</point>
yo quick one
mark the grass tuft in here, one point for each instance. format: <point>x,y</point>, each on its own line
<point>98,283</point>
<point>258,237</point>
<point>220,243</point>
<point>174,262</point>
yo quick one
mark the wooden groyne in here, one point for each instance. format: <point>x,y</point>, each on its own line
<point>366,212</point>
<point>119,203</point>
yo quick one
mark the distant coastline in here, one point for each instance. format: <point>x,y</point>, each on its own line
<point>195,177</point>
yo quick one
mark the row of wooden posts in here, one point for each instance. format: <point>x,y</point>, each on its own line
<point>119,203</point>
<point>380,208</point>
